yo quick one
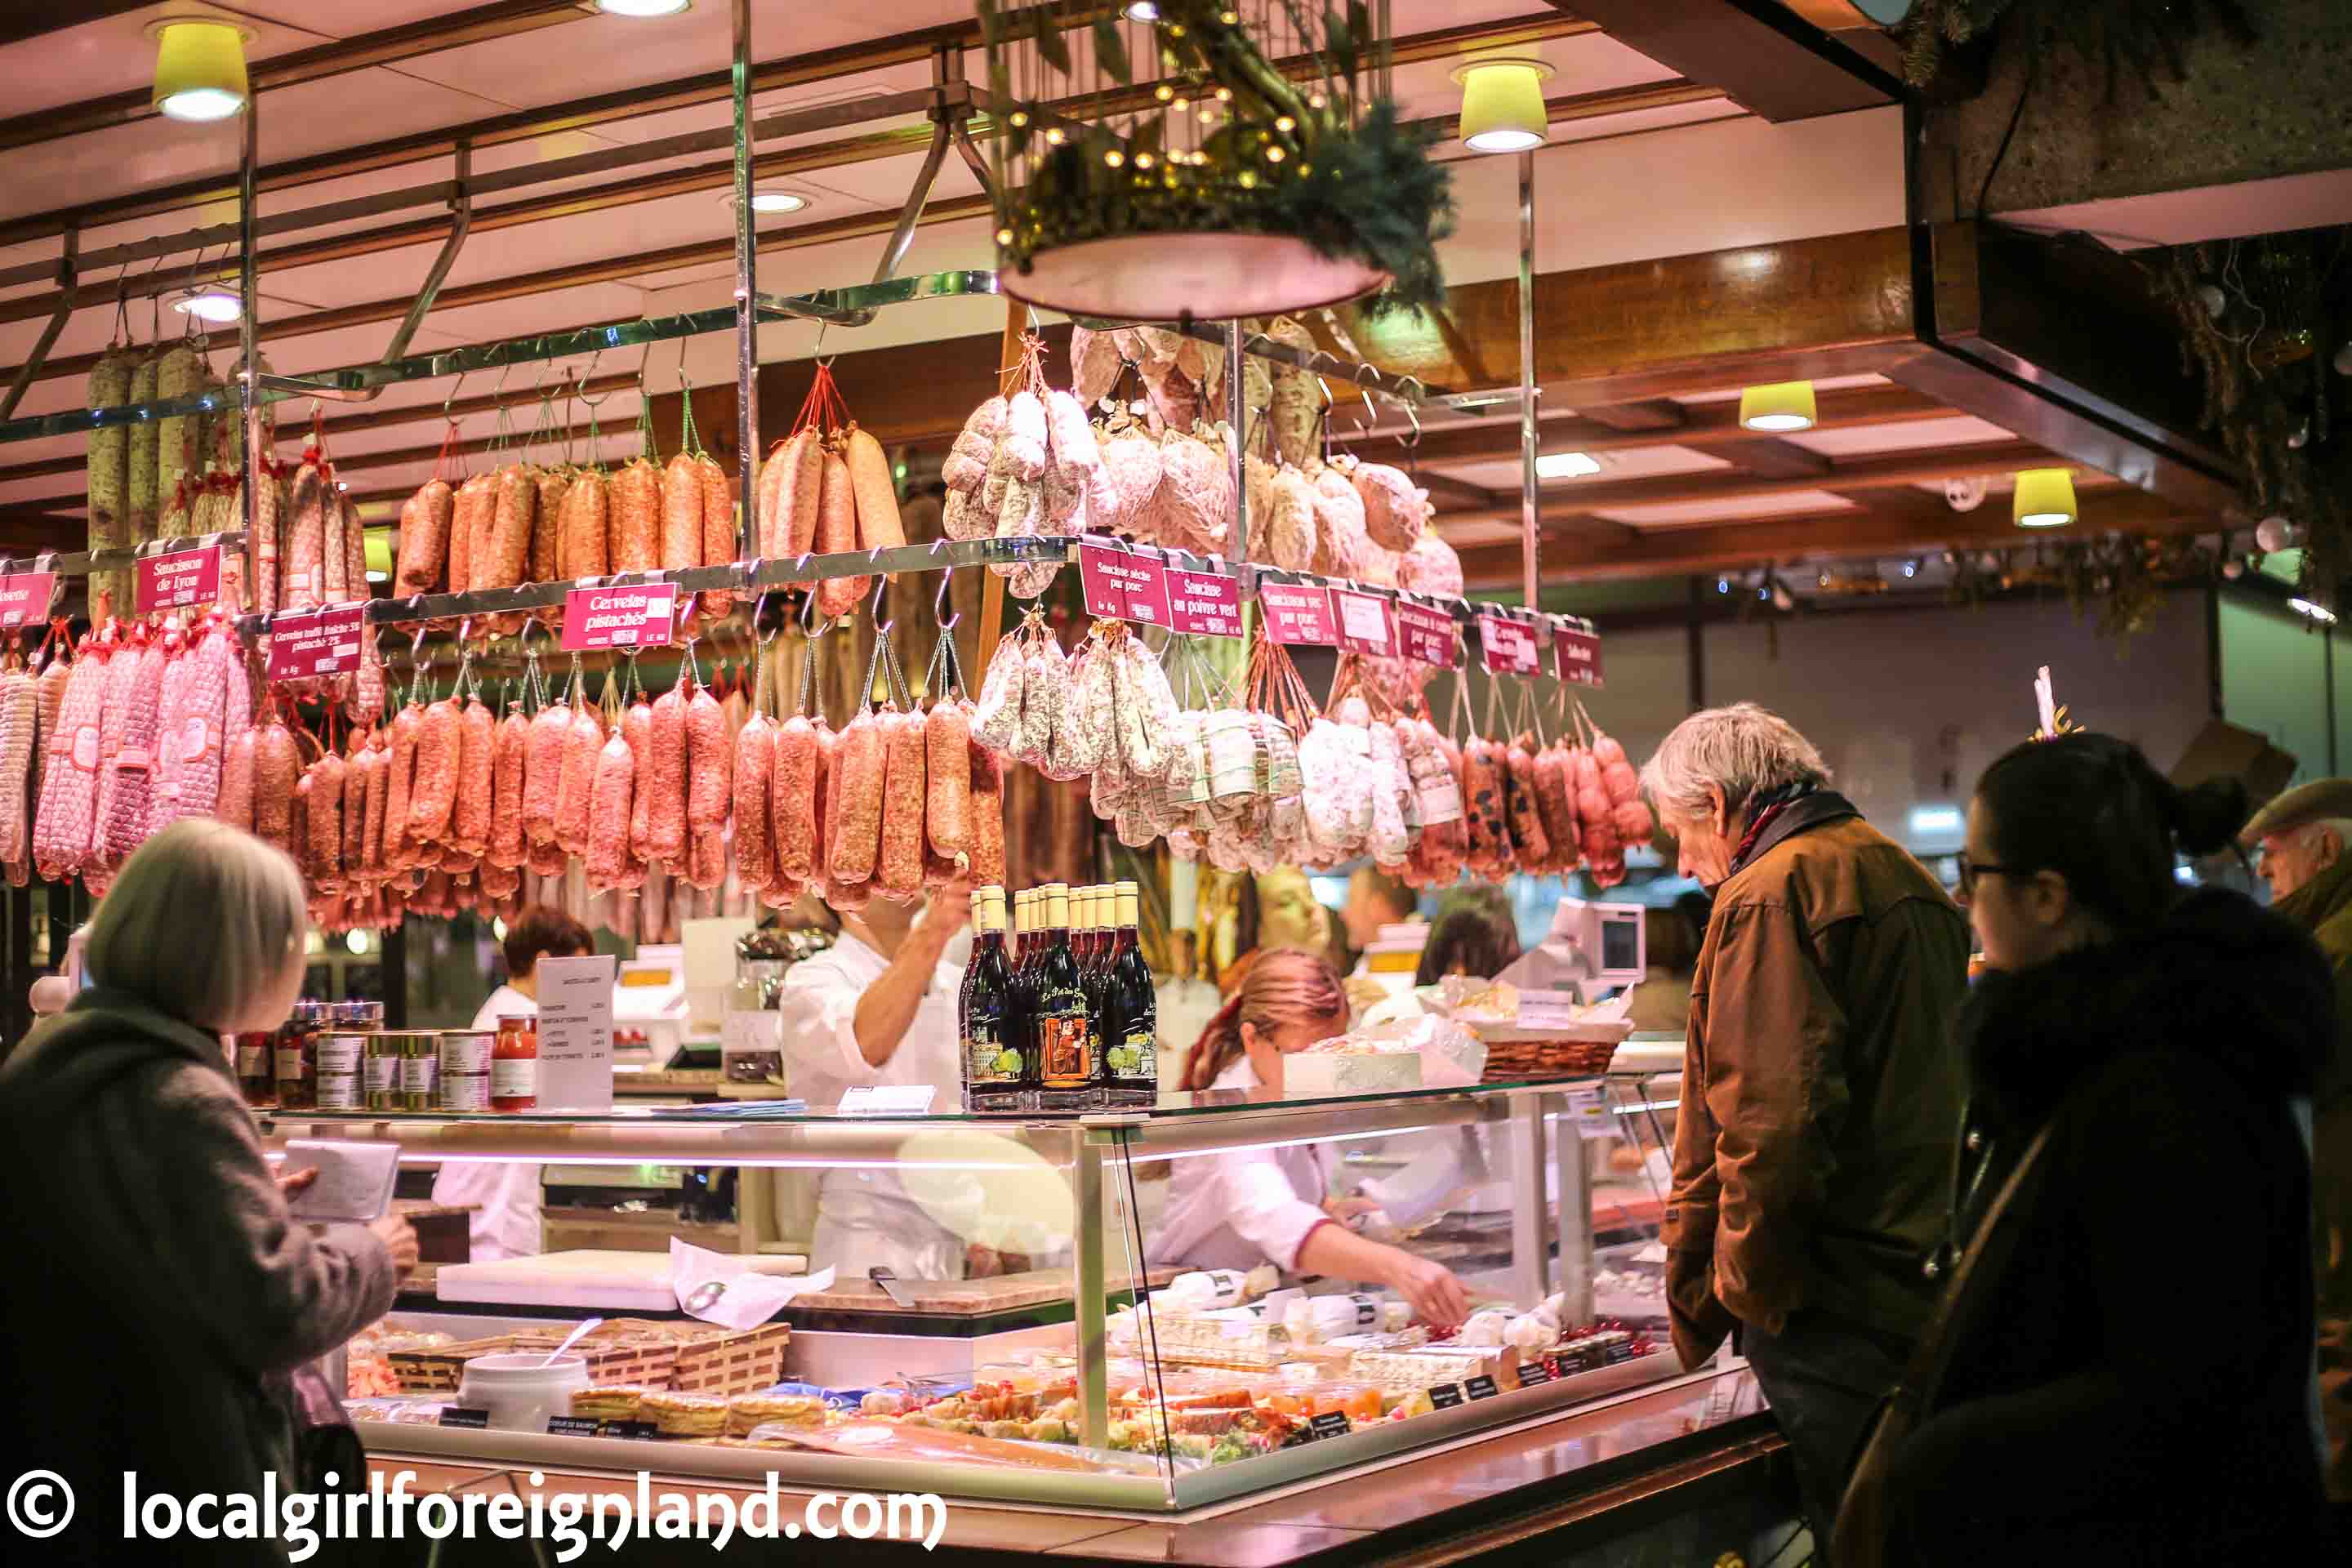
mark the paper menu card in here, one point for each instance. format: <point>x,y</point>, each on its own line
<point>354,1180</point>
<point>576,1034</point>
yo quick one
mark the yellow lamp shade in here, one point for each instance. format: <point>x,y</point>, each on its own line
<point>379,551</point>
<point>1503,104</point>
<point>2045,498</point>
<point>1782,406</point>
<point>199,67</point>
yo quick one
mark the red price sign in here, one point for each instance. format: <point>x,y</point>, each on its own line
<point>1205,603</point>
<point>1363,623</point>
<point>1508,647</point>
<point>1301,617</point>
<point>25,598</point>
<point>318,642</point>
<point>1122,586</point>
<point>1576,657</point>
<point>183,578</point>
<point>638,617</point>
<point>1427,637</point>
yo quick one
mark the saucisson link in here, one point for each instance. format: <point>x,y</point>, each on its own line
<point>710,763</point>
<point>899,868</point>
<point>793,799</point>
<point>666,821</point>
<point>755,765</point>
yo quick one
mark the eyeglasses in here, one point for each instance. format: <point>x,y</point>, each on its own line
<point>1971,869</point>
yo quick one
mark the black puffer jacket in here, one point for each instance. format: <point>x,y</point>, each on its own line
<point>2138,1386</point>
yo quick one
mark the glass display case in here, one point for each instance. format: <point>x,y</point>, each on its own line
<point>1105,1310</point>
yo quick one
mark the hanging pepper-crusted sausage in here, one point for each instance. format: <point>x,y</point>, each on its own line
<point>857,777</point>
<point>792,800</point>
<point>755,767</point>
<point>826,811</point>
<point>323,820</point>
<point>583,550</point>
<point>433,794</point>
<point>666,811</point>
<point>576,788</point>
<point>719,538</point>
<point>547,860</point>
<point>399,843</point>
<point>710,763</point>
<point>609,802</point>
<point>514,514</point>
<point>469,505</point>
<point>305,562</point>
<point>1527,836</point>
<point>547,524</point>
<point>681,514</point>
<point>277,764</point>
<point>899,868</point>
<point>477,777</point>
<point>543,772</point>
<point>947,804</point>
<point>509,755</point>
<point>637,728</point>
<point>790,528</point>
<point>987,816</point>
<point>334,553</point>
<point>706,860</point>
<point>634,516</point>
<point>836,530</point>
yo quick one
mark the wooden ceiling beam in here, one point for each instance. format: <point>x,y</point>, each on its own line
<point>1707,426</point>
<point>1765,55</point>
<point>1900,529</point>
<point>1774,459</point>
<point>1648,414</point>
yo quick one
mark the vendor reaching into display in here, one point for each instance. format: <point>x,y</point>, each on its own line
<point>1822,1097</point>
<point>162,1308</point>
<point>1246,1207</point>
<point>506,1197</point>
<point>879,1008</point>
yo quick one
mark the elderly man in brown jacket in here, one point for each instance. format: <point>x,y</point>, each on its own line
<point>1822,1096</point>
<point>2306,838</point>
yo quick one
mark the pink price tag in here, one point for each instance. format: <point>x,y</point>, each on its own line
<point>1121,585</point>
<point>636,617</point>
<point>25,598</point>
<point>1426,636</point>
<point>1297,615</point>
<point>183,578</point>
<point>1509,647</point>
<point>1203,603</point>
<point>318,642</point>
<point>1576,657</point>
<point>1363,623</point>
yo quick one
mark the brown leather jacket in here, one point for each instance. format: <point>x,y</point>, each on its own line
<point>1823,1096</point>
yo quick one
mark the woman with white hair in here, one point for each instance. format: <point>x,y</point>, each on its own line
<point>160,1298</point>
<point>1821,1099</point>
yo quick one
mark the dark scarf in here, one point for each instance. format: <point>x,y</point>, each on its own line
<point>1779,813</point>
<point>2323,907</point>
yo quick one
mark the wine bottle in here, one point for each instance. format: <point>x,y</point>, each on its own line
<point>1066,1037</point>
<point>992,1061</point>
<point>1021,1027</point>
<point>1131,1012</point>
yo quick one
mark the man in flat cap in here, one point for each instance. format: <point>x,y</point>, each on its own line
<point>2305,837</point>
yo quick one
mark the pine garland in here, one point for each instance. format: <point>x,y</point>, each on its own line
<point>2126,37</point>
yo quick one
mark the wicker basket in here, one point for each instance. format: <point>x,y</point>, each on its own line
<point>734,1363</point>
<point>439,1370</point>
<point>693,1358</point>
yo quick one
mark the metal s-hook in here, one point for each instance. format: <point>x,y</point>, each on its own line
<point>881,587</point>
<point>939,604</point>
<point>452,398</point>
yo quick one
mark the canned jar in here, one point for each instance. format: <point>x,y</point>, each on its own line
<point>383,1085</point>
<point>420,1071</point>
<point>257,1069</point>
<point>340,1058</point>
<point>466,1071</point>
<point>297,1057</point>
<point>356,1014</point>
<point>514,1064</point>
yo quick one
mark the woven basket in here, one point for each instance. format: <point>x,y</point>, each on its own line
<point>734,1363</point>
<point>439,1370</point>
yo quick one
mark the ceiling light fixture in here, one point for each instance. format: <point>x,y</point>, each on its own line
<point>1778,408</point>
<point>199,67</point>
<point>1503,104</point>
<point>1143,11</point>
<point>772,200</point>
<point>643,7</point>
<point>2320,613</point>
<point>2045,498</point>
<point>212,303</point>
<point>1567,466</point>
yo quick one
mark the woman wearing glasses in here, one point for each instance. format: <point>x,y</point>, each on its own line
<point>2121,1368</point>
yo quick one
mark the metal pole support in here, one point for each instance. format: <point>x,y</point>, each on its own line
<point>248,337</point>
<point>1573,1179</point>
<point>1087,1302</point>
<point>1529,1245</point>
<point>747,307</point>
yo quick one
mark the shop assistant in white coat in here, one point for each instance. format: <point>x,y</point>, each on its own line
<point>1237,1208</point>
<point>506,1196</point>
<point>879,1008</point>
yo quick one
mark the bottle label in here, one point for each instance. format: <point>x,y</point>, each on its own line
<point>253,1061</point>
<point>1064,1059</point>
<point>339,1055</point>
<point>1137,1057</point>
<point>289,1064</point>
<point>514,1077</point>
<point>988,1058</point>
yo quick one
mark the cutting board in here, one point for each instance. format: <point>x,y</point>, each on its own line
<point>637,1281</point>
<point>958,1298</point>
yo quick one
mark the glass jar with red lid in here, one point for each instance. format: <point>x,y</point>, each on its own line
<point>514,1064</point>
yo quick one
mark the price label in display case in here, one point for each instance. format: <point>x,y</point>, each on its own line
<point>1299,616</point>
<point>25,598</point>
<point>456,1416</point>
<point>1446,1396</point>
<point>1330,1424</point>
<point>317,642</point>
<point>1576,657</point>
<point>1482,1387</point>
<point>1203,603</point>
<point>1364,623</point>
<point>1426,636</point>
<point>1533,1372</point>
<point>1121,585</point>
<point>176,581</point>
<point>1508,647</point>
<point>635,616</point>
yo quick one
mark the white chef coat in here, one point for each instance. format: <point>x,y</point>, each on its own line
<point>506,1196</point>
<point>865,1217</point>
<point>1236,1208</point>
